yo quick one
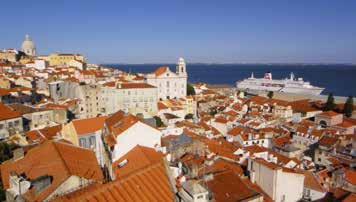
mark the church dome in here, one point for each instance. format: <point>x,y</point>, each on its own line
<point>28,46</point>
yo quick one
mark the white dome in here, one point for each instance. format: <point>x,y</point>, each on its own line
<point>28,45</point>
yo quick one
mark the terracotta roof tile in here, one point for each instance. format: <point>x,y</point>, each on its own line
<point>57,159</point>
<point>8,112</point>
<point>148,183</point>
<point>160,70</point>
<point>90,125</point>
<point>329,113</point>
<point>228,186</point>
<point>137,158</point>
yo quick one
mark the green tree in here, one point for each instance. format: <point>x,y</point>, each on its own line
<point>330,103</point>
<point>159,122</point>
<point>270,94</point>
<point>190,89</point>
<point>6,151</point>
<point>349,106</point>
<point>189,116</point>
<point>213,111</point>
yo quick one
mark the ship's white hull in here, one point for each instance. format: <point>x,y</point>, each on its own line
<point>286,86</point>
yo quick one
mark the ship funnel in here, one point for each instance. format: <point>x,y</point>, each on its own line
<point>268,75</point>
<point>252,77</point>
<point>291,76</point>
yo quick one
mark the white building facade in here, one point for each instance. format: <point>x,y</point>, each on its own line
<point>131,98</point>
<point>170,84</point>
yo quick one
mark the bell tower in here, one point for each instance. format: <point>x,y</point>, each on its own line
<point>181,67</point>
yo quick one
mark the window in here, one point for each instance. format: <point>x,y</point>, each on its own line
<point>200,196</point>
<point>82,142</point>
<point>92,141</point>
<point>307,192</point>
<point>1,126</point>
<point>17,123</point>
<point>283,198</point>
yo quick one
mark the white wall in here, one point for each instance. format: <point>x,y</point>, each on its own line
<point>138,134</point>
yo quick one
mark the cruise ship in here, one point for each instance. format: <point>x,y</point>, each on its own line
<point>288,85</point>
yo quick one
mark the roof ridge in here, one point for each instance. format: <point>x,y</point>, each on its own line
<point>60,155</point>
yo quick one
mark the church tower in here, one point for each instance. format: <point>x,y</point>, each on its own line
<point>28,47</point>
<point>181,67</point>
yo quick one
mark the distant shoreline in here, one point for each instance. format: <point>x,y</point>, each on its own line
<point>259,64</point>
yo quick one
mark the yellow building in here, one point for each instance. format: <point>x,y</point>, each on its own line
<point>26,59</point>
<point>63,59</point>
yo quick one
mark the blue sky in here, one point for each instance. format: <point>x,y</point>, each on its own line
<point>151,31</point>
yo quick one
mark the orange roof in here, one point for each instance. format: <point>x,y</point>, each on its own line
<point>236,131</point>
<point>161,106</point>
<point>136,85</point>
<point>90,125</point>
<point>345,124</point>
<point>221,165</point>
<point>55,106</point>
<point>280,158</point>
<point>8,112</point>
<point>109,84</point>
<point>219,146</point>
<point>228,186</point>
<point>160,70</point>
<point>137,158</point>
<point>311,181</point>
<point>56,159</point>
<point>350,176</point>
<point>220,119</point>
<point>119,122</point>
<point>350,198</point>
<point>72,79</point>
<point>327,141</point>
<point>329,113</point>
<point>150,182</point>
<point>43,134</point>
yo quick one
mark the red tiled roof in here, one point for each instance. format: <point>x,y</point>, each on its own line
<point>90,125</point>
<point>56,159</point>
<point>329,113</point>
<point>327,141</point>
<point>136,85</point>
<point>227,186</point>
<point>119,122</point>
<point>148,183</point>
<point>137,158</point>
<point>350,176</point>
<point>311,181</point>
<point>44,134</point>
<point>160,70</point>
<point>236,131</point>
<point>220,119</point>
<point>8,112</point>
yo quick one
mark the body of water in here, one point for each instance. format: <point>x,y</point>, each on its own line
<point>337,79</point>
